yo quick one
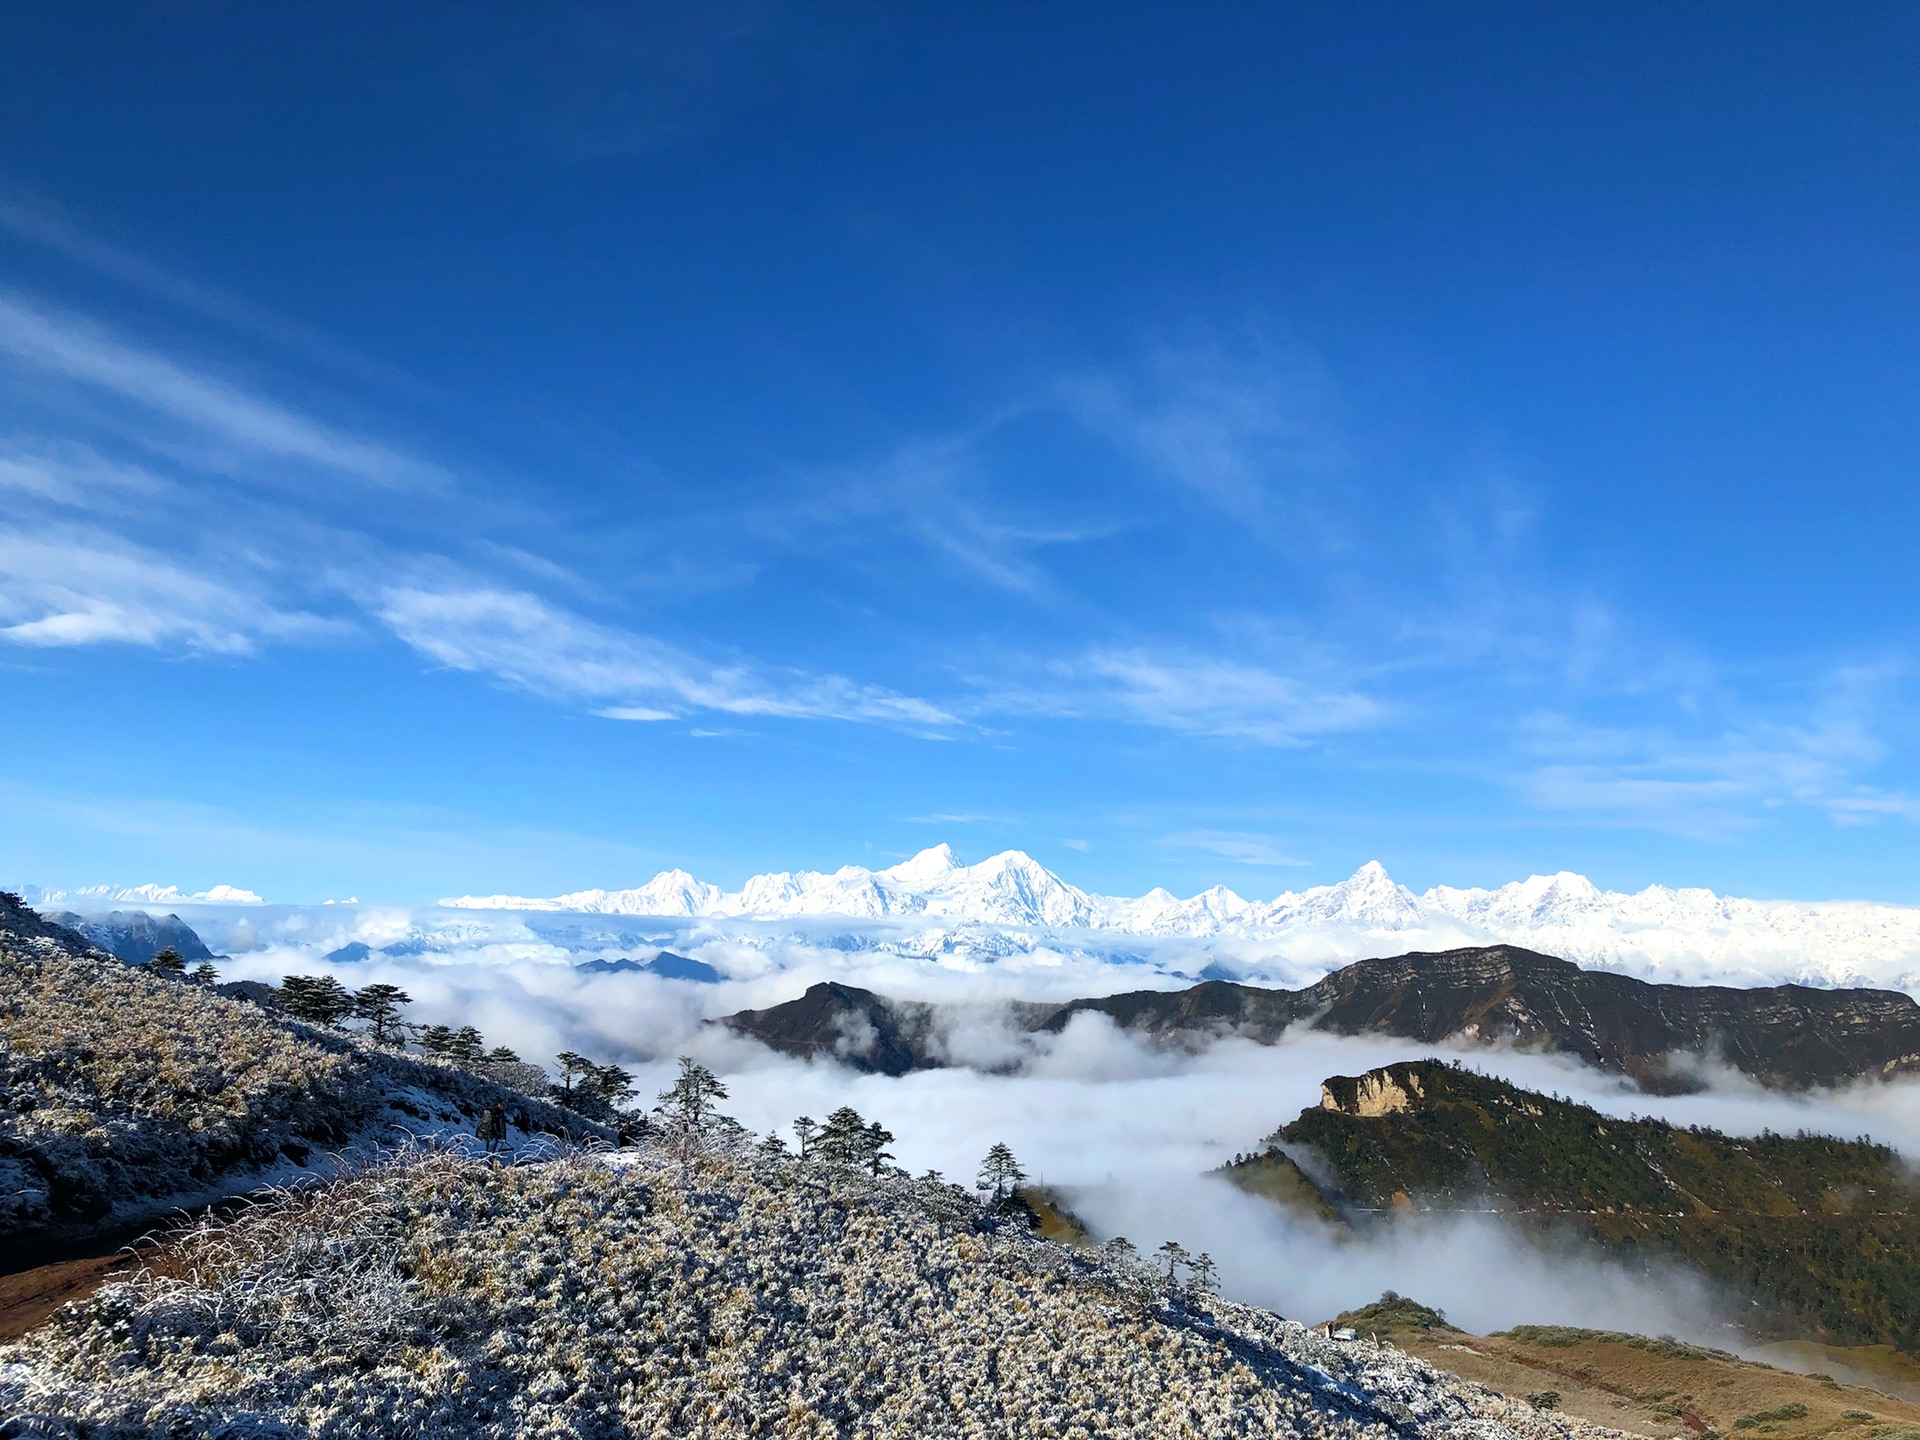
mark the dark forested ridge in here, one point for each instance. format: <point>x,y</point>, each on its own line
<point>1781,1035</point>
<point>843,1022</point>
<point>1821,1236</point>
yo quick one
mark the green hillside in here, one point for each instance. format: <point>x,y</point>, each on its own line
<point>1824,1234</point>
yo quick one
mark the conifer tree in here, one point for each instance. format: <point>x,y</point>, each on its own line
<point>687,1110</point>
<point>319,999</point>
<point>613,1084</point>
<point>1173,1255</point>
<point>501,1055</point>
<point>437,1039</point>
<point>874,1142</point>
<point>379,1005</point>
<point>806,1130</point>
<point>468,1047</point>
<point>204,973</point>
<point>1000,1172</point>
<point>167,962</point>
<point>843,1139</point>
<point>1206,1278</point>
<point>572,1063</point>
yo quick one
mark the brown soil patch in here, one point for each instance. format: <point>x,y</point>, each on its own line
<point>29,1297</point>
<point>1669,1395</point>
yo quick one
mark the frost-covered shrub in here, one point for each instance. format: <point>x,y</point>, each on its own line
<point>123,1089</point>
<point>605,1295</point>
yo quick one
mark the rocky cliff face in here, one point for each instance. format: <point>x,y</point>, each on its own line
<point>1377,1093</point>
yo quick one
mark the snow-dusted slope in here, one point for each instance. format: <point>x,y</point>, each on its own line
<point>1694,932</point>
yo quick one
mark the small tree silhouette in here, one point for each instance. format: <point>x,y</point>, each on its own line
<point>843,1139</point>
<point>379,1005</point>
<point>806,1130</point>
<point>204,973</point>
<point>437,1039</point>
<point>1206,1277</point>
<point>167,962</point>
<point>1000,1172</point>
<point>572,1063</point>
<point>613,1084</point>
<point>874,1144</point>
<point>1173,1255</point>
<point>501,1055</point>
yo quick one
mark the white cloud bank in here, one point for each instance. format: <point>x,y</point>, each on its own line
<point>1129,1131</point>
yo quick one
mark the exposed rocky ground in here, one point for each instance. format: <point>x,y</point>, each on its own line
<point>126,1092</point>
<point>1782,1035</point>
<point>614,1295</point>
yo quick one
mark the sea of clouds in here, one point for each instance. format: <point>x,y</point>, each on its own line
<point>1129,1131</point>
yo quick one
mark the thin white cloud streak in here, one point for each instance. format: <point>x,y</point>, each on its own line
<point>47,226</point>
<point>930,491</point>
<point>1246,429</point>
<point>86,588</point>
<point>1241,846</point>
<point>1721,779</point>
<point>77,350</point>
<point>540,648</point>
<point>1189,694</point>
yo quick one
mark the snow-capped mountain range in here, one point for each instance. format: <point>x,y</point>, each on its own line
<point>90,897</point>
<point>1564,914</point>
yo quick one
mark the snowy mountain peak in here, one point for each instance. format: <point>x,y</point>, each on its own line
<point>1368,913</point>
<point>91,895</point>
<point>927,868</point>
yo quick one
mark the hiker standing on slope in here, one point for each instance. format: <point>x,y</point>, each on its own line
<point>493,1127</point>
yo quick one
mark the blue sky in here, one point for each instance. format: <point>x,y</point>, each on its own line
<point>452,448</point>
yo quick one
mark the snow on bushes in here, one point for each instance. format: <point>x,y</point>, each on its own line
<point>614,1295</point>
<point>123,1089</point>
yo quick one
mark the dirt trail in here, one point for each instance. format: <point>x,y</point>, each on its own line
<point>40,1274</point>
<point>29,1297</point>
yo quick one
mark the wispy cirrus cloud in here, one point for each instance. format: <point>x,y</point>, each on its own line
<point>78,350</point>
<point>937,494</point>
<point>67,587</point>
<point>527,642</point>
<point>85,569</point>
<point>1241,846</point>
<point>1191,694</point>
<point>1247,427</point>
<point>1717,773</point>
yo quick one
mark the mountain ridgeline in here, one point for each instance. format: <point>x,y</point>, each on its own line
<point>135,936</point>
<point>1788,1036</point>
<point>1818,1236</point>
